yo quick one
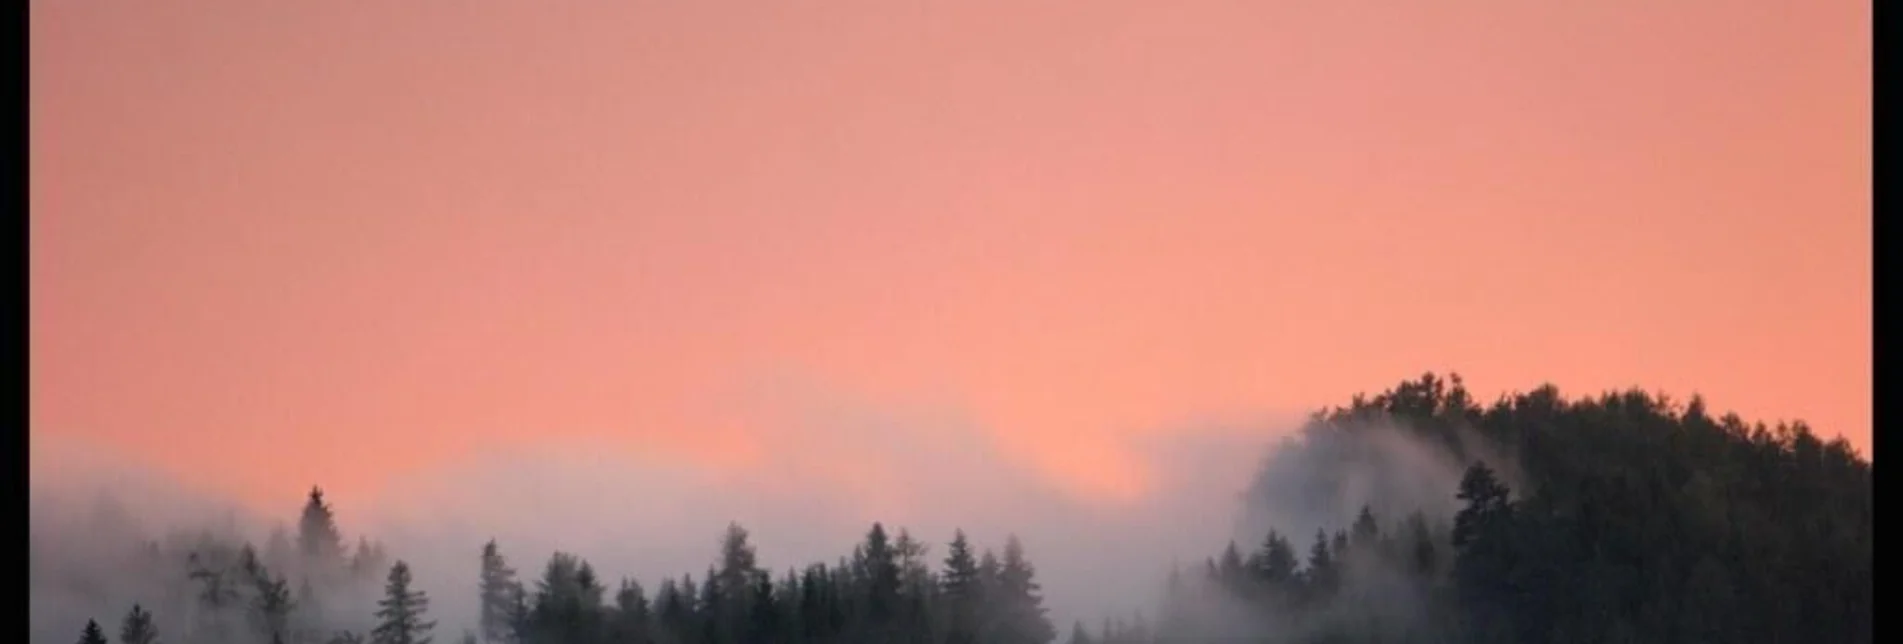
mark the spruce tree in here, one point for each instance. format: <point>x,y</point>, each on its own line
<point>216,594</point>
<point>1078,636</point>
<point>1421,551</point>
<point>137,628</point>
<point>271,602</point>
<point>960,590</point>
<point>497,589</point>
<point>317,535</point>
<point>1022,617</point>
<point>1321,569</point>
<point>631,623</point>
<point>878,565</point>
<point>368,558</point>
<point>91,634</point>
<point>400,612</point>
<point>1276,561</point>
<point>734,585</point>
<point>1366,531</point>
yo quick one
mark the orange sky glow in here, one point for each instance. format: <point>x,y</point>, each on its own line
<point>277,243</point>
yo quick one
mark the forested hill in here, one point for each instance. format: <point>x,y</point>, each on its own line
<point>1621,518</point>
<point>1635,519</point>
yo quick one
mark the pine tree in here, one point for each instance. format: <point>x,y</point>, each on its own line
<point>92,634</point>
<point>138,628</point>
<point>400,612</point>
<point>497,589</point>
<point>317,535</point>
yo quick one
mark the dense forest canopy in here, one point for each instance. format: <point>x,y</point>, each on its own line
<point>1627,517</point>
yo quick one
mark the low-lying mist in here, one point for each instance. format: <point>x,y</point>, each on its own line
<point>818,486</point>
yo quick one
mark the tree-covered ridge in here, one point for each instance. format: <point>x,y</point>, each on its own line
<point>1625,517</point>
<point>1640,520</point>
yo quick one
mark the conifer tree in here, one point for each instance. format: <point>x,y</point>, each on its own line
<point>631,623</point>
<point>1366,531</point>
<point>959,588</point>
<point>734,584</point>
<point>1229,568</point>
<point>215,596</point>
<point>400,612</point>
<point>1322,576</point>
<point>878,566</point>
<point>317,535</point>
<point>497,588</point>
<point>137,628</point>
<point>368,558</point>
<point>1022,617</point>
<point>271,602</point>
<point>1276,561</point>
<point>1421,549</point>
<point>713,622</point>
<point>91,634</point>
<point>1078,636</point>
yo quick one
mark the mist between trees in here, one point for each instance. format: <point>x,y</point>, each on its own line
<point>1417,515</point>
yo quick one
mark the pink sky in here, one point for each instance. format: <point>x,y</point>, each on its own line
<point>284,242</point>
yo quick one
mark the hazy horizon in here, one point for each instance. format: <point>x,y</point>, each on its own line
<point>1059,269</point>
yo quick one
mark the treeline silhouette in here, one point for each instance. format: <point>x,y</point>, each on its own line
<point>1636,519</point>
<point>1640,520</point>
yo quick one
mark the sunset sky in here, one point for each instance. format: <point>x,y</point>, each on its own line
<point>278,243</point>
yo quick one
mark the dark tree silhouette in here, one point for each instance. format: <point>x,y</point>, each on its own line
<point>497,590</point>
<point>91,634</point>
<point>1618,518</point>
<point>317,535</point>
<point>400,612</point>
<point>137,628</point>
